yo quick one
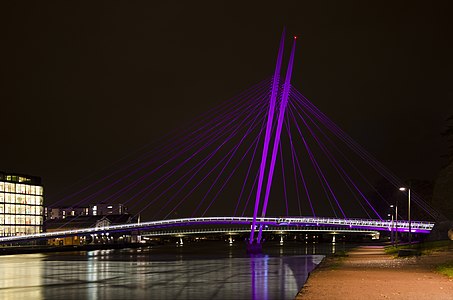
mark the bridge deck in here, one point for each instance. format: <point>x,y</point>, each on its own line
<point>363,224</point>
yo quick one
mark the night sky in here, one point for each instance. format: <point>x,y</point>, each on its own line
<point>85,83</point>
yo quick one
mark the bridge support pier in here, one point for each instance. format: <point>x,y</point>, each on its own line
<point>254,248</point>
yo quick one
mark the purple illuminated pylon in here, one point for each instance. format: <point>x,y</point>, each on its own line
<point>267,137</point>
<point>281,115</point>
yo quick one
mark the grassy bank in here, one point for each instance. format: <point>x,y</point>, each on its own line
<point>428,248</point>
<point>423,248</point>
<point>446,269</point>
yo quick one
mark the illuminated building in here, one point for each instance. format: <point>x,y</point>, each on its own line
<point>84,221</point>
<point>21,204</point>
<point>99,209</point>
<point>93,215</point>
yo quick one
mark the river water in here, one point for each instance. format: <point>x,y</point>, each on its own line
<point>204,270</point>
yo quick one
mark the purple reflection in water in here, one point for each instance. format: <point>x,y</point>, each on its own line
<point>280,278</point>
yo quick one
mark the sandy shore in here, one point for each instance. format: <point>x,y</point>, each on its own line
<point>368,273</point>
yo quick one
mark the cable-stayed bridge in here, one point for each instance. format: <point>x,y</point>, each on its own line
<point>276,224</point>
<point>266,152</point>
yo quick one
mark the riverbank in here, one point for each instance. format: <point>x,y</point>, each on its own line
<point>367,272</point>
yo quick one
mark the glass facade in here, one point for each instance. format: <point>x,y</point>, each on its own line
<point>21,205</point>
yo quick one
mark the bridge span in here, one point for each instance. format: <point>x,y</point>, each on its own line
<point>283,223</point>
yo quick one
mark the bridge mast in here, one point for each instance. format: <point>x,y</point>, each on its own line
<point>281,115</point>
<point>267,137</point>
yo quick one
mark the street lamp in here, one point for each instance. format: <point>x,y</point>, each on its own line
<point>395,223</point>
<point>391,226</point>
<point>408,210</point>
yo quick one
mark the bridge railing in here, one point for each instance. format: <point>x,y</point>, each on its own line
<point>417,226</point>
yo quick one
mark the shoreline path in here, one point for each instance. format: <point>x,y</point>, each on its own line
<point>368,273</point>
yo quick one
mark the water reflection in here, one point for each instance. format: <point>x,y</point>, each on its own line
<point>23,274</point>
<point>158,273</point>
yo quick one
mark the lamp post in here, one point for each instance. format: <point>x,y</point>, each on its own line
<point>391,227</point>
<point>396,223</point>
<point>408,210</point>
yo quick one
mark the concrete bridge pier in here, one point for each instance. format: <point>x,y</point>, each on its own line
<point>254,248</point>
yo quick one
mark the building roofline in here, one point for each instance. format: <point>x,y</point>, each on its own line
<point>31,178</point>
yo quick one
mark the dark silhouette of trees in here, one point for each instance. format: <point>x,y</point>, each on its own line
<point>448,134</point>
<point>443,189</point>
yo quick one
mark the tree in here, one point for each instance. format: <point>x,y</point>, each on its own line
<point>448,133</point>
<point>443,189</point>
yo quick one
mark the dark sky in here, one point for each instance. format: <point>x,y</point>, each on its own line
<point>84,83</point>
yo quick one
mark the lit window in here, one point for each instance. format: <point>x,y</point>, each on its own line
<point>39,190</point>
<point>10,198</point>
<point>110,206</point>
<point>10,187</point>
<point>20,199</point>
<point>21,188</point>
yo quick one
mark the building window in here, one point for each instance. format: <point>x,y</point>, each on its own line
<point>20,188</point>
<point>10,187</point>
<point>39,190</point>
